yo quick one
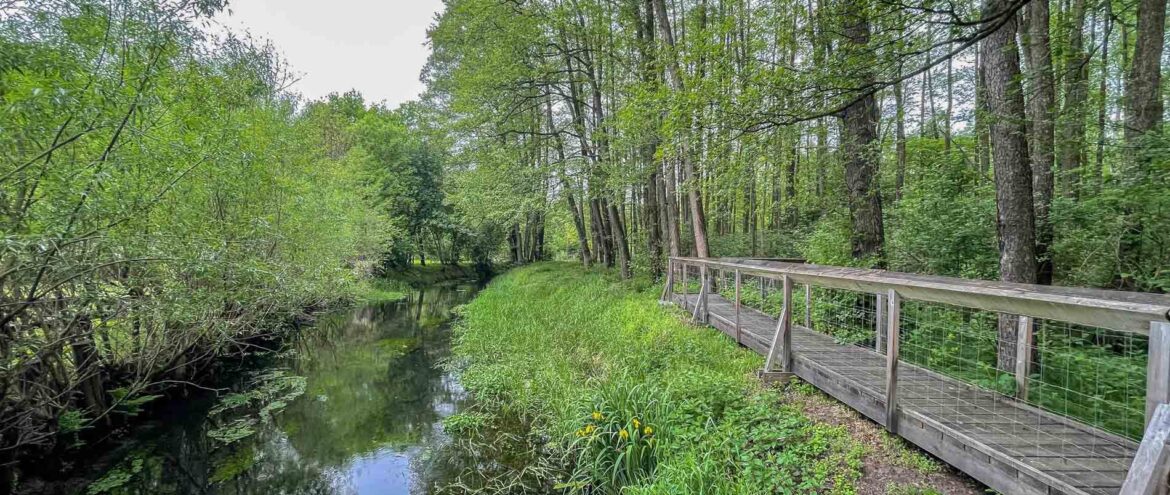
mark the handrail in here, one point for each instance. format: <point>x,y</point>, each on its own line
<point>1136,313</point>
<point>1116,310</point>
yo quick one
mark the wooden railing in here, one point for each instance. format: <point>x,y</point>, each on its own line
<point>1141,314</point>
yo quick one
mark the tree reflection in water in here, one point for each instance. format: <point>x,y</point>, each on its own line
<point>366,424</point>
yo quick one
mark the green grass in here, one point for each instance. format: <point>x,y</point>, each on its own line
<point>616,393</point>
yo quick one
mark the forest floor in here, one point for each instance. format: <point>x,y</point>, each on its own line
<point>615,391</point>
<point>891,465</point>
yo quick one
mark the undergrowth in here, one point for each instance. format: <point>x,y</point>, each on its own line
<point>616,394</point>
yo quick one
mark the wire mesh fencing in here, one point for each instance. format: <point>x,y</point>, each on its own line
<point>1062,397</point>
<point>1092,375</point>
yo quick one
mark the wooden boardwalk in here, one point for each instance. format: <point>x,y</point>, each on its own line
<point>1012,447</point>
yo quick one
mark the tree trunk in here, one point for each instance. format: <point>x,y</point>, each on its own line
<point>1143,97</point>
<point>619,240</point>
<point>1041,109</point>
<point>1015,214</point>
<point>1076,91</point>
<point>570,196</point>
<point>1143,114</point>
<point>578,224</point>
<point>674,79</point>
<point>88,368</point>
<point>601,235</point>
<point>1103,101</point>
<point>899,140</point>
<point>538,237</point>
<point>859,146</point>
<point>670,201</point>
<point>651,217</point>
<point>653,205</point>
<point>790,186</point>
<point>514,243</point>
<point>983,136</point>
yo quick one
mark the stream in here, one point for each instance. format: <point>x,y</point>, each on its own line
<point>368,420</point>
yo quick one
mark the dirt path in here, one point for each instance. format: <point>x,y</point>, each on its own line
<point>891,465</point>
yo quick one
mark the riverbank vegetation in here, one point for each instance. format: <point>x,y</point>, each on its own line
<point>619,395</point>
<point>166,201</point>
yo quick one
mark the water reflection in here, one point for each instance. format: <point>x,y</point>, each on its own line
<point>371,412</point>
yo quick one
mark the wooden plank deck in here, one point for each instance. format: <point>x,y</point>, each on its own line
<point>1010,446</point>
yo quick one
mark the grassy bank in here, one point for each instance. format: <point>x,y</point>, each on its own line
<point>615,392</point>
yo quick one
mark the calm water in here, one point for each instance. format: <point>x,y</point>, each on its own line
<point>369,421</point>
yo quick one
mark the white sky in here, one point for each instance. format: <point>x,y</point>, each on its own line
<point>374,46</point>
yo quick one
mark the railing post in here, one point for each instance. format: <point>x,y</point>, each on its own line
<point>686,287</point>
<point>668,290</point>
<point>781,349</point>
<point>893,320</point>
<point>738,283</point>
<point>879,322</point>
<point>808,306</point>
<point>1158,368</point>
<point>706,294</point>
<point>701,297</point>
<point>1151,464</point>
<point>786,336</point>
<point>1024,337</point>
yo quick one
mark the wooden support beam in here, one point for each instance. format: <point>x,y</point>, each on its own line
<point>781,350</point>
<point>769,377</point>
<point>893,320</point>
<point>879,322</point>
<point>668,289</point>
<point>738,286</point>
<point>701,299</point>
<point>705,294</point>
<point>1158,368</point>
<point>1024,339</point>
<point>1151,465</point>
<point>808,306</point>
<point>786,338</point>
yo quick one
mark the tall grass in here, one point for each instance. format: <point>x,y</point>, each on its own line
<point>625,397</point>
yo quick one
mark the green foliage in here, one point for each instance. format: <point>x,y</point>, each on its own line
<point>382,290</point>
<point>235,416</point>
<point>944,223</point>
<point>163,198</point>
<point>71,421</point>
<point>118,476</point>
<point>129,405</point>
<point>616,445</point>
<point>234,431</point>
<point>555,343</point>
<point>233,465</point>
